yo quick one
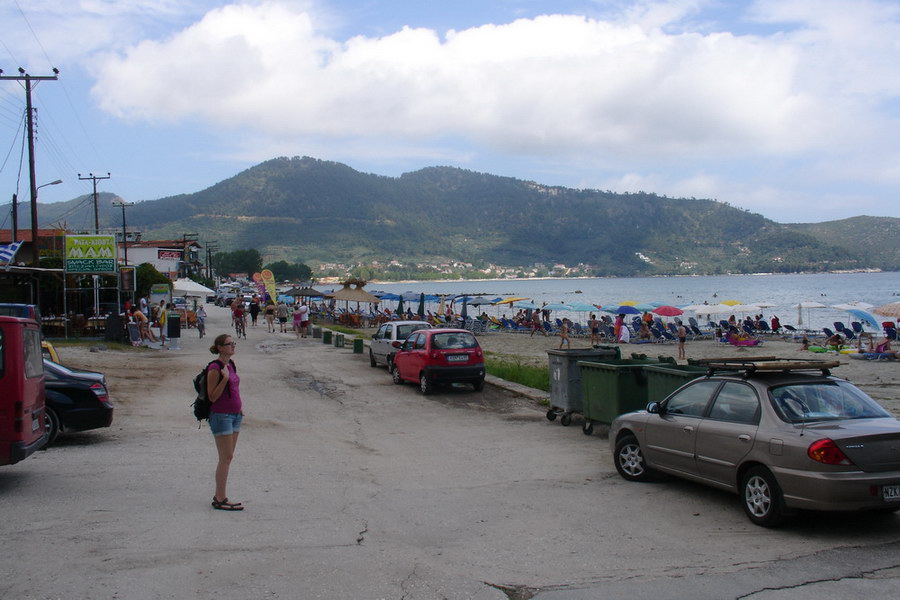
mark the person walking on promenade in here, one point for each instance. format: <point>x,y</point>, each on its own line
<point>301,315</point>
<point>254,309</point>
<point>226,414</point>
<point>681,334</point>
<point>269,314</point>
<point>281,311</point>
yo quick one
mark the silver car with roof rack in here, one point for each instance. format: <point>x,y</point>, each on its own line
<point>783,434</point>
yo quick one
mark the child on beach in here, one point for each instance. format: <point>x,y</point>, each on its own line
<point>564,334</point>
<point>804,344</point>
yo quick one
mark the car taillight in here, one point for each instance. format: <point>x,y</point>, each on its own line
<point>827,452</point>
<point>100,391</point>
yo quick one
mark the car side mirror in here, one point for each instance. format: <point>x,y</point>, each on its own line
<point>654,408</point>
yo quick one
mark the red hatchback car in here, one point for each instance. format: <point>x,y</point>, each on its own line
<point>432,357</point>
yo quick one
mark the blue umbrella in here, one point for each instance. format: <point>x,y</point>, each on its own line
<point>557,306</point>
<point>390,296</point>
<point>525,305</point>
<point>583,307</point>
<point>865,317</point>
<point>646,306</point>
<point>624,309</point>
<point>421,310</point>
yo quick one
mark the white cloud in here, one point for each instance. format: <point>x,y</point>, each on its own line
<point>549,84</point>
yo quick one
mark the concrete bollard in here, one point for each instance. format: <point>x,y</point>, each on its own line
<point>357,346</point>
<point>326,337</point>
<point>317,332</point>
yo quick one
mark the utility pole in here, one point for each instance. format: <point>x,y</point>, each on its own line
<point>94,179</point>
<point>211,246</point>
<point>29,120</point>
<point>15,218</point>
<point>123,204</point>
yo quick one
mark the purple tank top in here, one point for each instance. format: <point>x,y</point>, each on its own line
<point>230,400</point>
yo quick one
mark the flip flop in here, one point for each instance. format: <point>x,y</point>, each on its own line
<point>225,505</point>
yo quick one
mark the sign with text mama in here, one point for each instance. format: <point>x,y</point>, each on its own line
<point>90,254</point>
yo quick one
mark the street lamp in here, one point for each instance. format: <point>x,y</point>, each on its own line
<point>36,256</point>
<point>123,204</point>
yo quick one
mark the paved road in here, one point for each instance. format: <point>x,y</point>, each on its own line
<point>357,488</point>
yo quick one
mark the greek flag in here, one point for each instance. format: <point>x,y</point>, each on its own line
<point>8,252</point>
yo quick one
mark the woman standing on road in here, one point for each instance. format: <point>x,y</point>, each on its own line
<point>223,389</point>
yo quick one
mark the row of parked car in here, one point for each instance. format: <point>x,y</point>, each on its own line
<point>414,351</point>
<point>783,434</point>
<point>39,397</point>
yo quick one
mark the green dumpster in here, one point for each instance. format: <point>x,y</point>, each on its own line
<point>662,379</point>
<point>326,337</point>
<point>610,388</point>
<point>565,378</point>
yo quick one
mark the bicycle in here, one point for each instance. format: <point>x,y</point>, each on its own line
<point>240,327</point>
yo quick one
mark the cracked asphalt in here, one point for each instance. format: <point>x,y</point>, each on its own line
<point>357,488</point>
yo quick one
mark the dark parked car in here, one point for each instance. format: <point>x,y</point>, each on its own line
<point>432,357</point>
<point>780,435</point>
<point>75,400</point>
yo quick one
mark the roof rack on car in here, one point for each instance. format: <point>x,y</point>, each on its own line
<point>767,363</point>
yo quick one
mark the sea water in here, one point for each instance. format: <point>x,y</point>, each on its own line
<point>784,291</point>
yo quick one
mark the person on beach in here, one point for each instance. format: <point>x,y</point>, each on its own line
<point>776,324</point>
<point>594,324</point>
<point>226,414</point>
<point>162,319</point>
<point>681,334</point>
<point>536,324</point>
<point>624,334</point>
<point>644,332</point>
<point>804,344</point>
<point>617,328</point>
<point>301,319</point>
<point>835,342</point>
<point>564,334</point>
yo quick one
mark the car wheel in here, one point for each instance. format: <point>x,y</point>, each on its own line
<point>372,362</point>
<point>630,460</point>
<point>395,374</point>
<point>425,384</point>
<point>478,385</point>
<point>51,425</point>
<point>762,498</point>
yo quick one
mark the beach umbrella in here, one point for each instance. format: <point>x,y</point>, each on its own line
<point>400,305</point>
<point>764,304</point>
<point>390,296</point>
<point>409,296</point>
<point>646,306</point>
<point>808,305</point>
<point>697,308</point>
<point>511,300</point>
<point>731,302</point>
<point>557,306</point>
<point>865,317</point>
<point>526,304</point>
<point>583,307</point>
<point>887,310</point>
<point>421,310</point>
<point>621,309</point>
<point>667,311</point>
<point>627,302</point>
<point>855,305</point>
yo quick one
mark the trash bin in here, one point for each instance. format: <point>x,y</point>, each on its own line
<point>662,379</point>
<point>326,337</point>
<point>612,387</point>
<point>317,332</point>
<point>565,378</point>
<point>339,340</point>
<point>357,346</point>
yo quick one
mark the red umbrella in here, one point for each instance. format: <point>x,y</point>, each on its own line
<point>668,311</point>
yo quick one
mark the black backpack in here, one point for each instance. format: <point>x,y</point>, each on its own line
<point>201,403</point>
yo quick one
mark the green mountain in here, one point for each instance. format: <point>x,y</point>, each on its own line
<point>309,210</point>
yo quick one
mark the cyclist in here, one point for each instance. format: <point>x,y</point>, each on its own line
<point>201,320</point>
<point>239,319</point>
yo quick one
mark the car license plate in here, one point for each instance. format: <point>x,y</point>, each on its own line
<point>457,357</point>
<point>890,493</point>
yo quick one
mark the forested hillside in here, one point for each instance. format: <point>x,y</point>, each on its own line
<point>309,210</point>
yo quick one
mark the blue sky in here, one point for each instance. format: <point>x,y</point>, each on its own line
<point>789,108</point>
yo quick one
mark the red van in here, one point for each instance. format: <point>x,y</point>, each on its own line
<point>21,389</point>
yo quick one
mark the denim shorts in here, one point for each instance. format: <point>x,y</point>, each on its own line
<point>225,423</point>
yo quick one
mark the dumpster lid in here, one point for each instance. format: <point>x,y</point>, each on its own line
<point>768,364</point>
